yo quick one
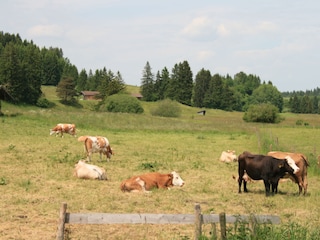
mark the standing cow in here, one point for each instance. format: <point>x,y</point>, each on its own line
<point>64,128</point>
<point>302,162</point>
<point>267,168</point>
<point>96,144</point>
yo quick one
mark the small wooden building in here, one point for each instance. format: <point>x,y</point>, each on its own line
<point>90,95</point>
<point>137,95</point>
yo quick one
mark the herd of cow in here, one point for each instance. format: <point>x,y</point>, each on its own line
<point>269,168</point>
<point>94,144</point>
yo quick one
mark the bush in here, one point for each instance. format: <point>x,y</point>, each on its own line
<point>122,103</point>
<point>44,103</point>
<point>167,108</point>
<point>266,113</point>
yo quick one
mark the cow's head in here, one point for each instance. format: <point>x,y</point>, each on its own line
<point>176,179</point>
<point>109,152</point>
<point>292,164</point>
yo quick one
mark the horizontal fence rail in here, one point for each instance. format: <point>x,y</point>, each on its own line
<point>148,218</point>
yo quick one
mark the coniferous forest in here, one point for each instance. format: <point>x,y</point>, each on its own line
<point>24,68</point>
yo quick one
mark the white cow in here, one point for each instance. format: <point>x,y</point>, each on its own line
<point>89,171</point>
<point>228,156</point>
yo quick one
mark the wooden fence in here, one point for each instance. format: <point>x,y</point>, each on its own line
<point>145,218</point>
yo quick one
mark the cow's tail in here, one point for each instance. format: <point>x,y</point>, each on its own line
<point>305,160</point>
<point>82,138</point>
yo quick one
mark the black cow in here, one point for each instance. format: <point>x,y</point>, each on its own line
<point>267,168</point>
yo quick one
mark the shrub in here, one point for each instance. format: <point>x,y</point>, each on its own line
<point>266,113</point>
<point>44,103</point>
<point>122,103</point>
<point>167,108</point>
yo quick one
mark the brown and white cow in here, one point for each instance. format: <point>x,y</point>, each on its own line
<point>89,171</point>
<point>302,162</point>
<point>228,156</point>
<point>64,128</point>
<point>96,144</point>
<point>148,181</point>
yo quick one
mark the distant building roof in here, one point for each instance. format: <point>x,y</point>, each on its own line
<point>89,93</point>
<point>137,95</point>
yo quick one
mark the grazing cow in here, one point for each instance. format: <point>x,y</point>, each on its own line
<point>96,144</point>
<point>148,181</point>
<point>267,168</point>
<point>228,156</point>
<point>302,162</point>
<point>63,128</point>
<point>89,171</point>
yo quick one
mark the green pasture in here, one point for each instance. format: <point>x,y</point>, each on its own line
<point>36,173</point>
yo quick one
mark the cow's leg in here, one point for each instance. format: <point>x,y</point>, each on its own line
<point>239,182</point>
<point>89,156</point>
<point>267,187</point>
<point>274,187</point>
<point>240,179</point>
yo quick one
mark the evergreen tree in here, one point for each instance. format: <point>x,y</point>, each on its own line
<point>10,72</point>
<point>295,104</point>
<point>52,66</point>
<point>66,90</point>
<point>157,87</point>
<point>82,81</point>
<point>181,84</point>
<point>214,94</point>
<point>306,105</point>
<point>147,84</point>
<point>201,86</point>
<point>31,67</point>
<point>116,84</point>
<point>315,105</point>
<point>70,70</point>
<point>165,79</point>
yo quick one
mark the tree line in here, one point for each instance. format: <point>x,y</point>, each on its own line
<point>24,68</point>
<point>220,92</point>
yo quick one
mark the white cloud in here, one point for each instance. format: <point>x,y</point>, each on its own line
<point>45,31</point>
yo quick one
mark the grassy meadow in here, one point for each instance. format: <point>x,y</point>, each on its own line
<point>36,173</point>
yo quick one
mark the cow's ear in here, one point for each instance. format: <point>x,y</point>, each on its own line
<point>170,175</point>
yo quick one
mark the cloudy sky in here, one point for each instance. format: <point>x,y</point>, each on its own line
<point>277,40</point>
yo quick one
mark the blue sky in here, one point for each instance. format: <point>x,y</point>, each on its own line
<point>279,41</point>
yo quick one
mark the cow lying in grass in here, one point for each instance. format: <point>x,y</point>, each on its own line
<point>228,156</point>
<point>148,181</point>
<point>88,171</point>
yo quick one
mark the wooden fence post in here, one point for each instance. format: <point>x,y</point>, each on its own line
<point>62,220</point>
<point>198,221</point>
<point>223,225</point>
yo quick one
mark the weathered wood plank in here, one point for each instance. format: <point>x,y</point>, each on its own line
<point>145,218</point>
<point>135,218</point>
<point>214,218</point>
